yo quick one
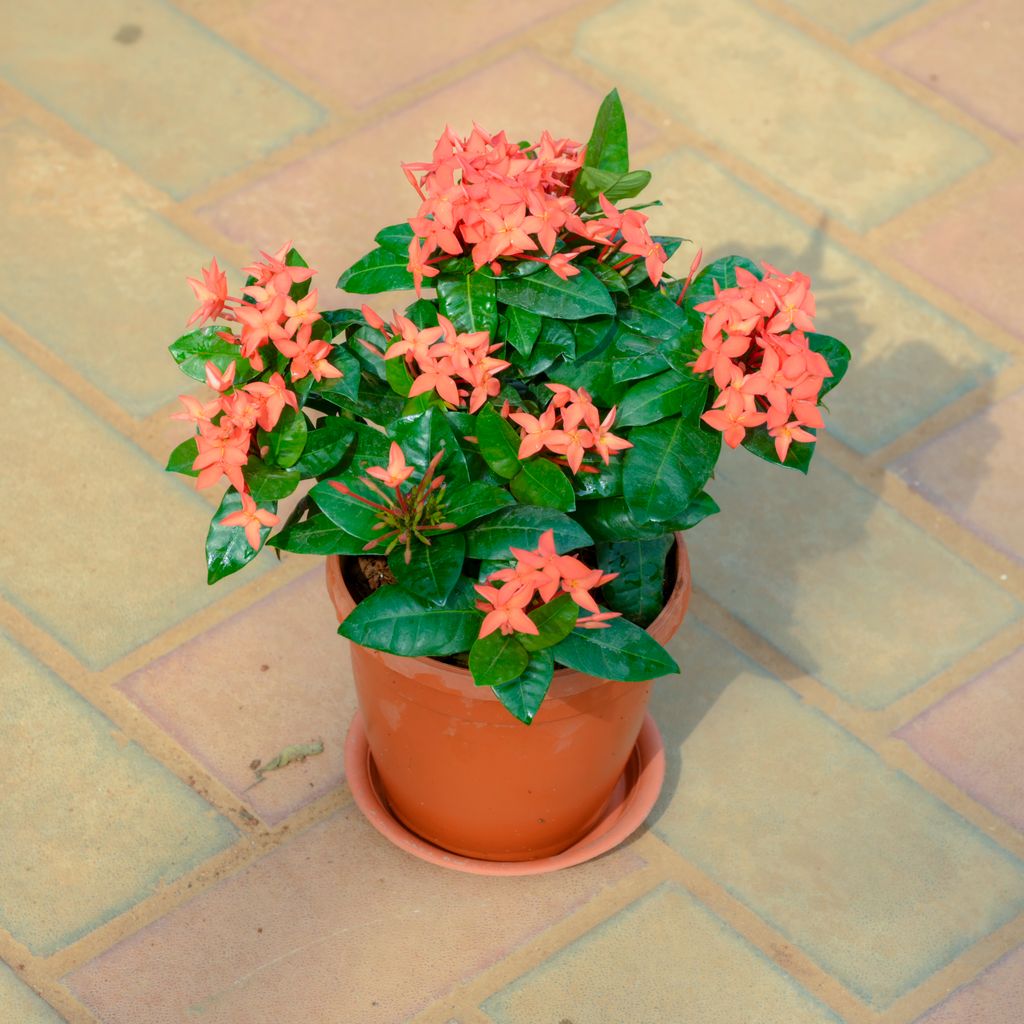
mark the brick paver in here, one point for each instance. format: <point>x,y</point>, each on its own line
<point>839,840</point>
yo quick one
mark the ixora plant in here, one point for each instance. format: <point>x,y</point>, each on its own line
<point>513,455</point>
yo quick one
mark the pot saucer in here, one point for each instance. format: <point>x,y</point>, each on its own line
<point>631,801</point>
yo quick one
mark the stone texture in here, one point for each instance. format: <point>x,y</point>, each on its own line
<point>974,737</point>
<point>22,1004</point>
<point>90,270</point>
<point>811,136</point>
<point>228,699</point>
<point>873,877</point>
<point>336,925</point>
<point>154,87</point>
<point>969,253</point>
<point>97,544</point>
<point>996,997</point>
<point>686,967</point>
<point>851,21</point>
<point>389,46</point>
<point>90,823</point>
<point>909,359</point>
<point>975,473</point>
<point>971,56</point>
<point>850,590</point>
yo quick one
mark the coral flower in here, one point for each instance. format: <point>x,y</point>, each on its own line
<point>216,379</point>
<point>418,266</point>
<point>251,517</point>
<point>397,471</point>
<point>212,293</point>
<point>597,621</point>
<point>604,441</point>
<point>537,431</point>
<point>505,609</point>
<point>734,419</point>
<point>275,395</point>
<point>221,456</point>
<point>579,579</point>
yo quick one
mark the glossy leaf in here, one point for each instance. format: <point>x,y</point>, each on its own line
<point>286,441</point>
<point>523,695</point>
<point>547,294</point>
<point>702,288</point>
<point>396,372</point>
<point>608,146</point>
<point>762,444</point>
<point>340,319</point>
<point>192,351</point>
<point>554,621</point>
<point>653,315</point>
<point>227,549</point>
<point>317,535</point>
<point>610,520</point>
<point>325,446</point>
<point>422,436</point>
<point>836,354</point>
<point>269,483</point>
<point>345,511</point>
<point>433,569</point>
<point>607,275</point>
<point>621,651</point>
<point>300,289</point>
<point>181,459</point>
<point>541,482</point>
<point>605,483</point>
<point>633,357</point>
<point>466,504</point>
<point>638,589</point>
<point>396,237</point>
<point>382,270</point>
<point>392,619</point>
<point>521,526</point>
<point>495,659</point>
<point>469,301</point>
<point>521,329</point>
<point>667,394</point>
<point>592,182</point>
<point>499,442</point>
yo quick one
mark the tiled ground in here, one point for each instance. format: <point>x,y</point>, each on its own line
<point>840,836</point>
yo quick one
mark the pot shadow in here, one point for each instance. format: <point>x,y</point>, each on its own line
<point>780,537</point>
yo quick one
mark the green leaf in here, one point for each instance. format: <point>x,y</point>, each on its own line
<point>523,695</point>
<point>382,270</point>
<point>181,459</point>
<point>495,659</point>
<point>269,483</point>
<point>540,482</point>
<point>348,383</point>
<point>325,446</point>
<point>433,569</point>
<point>227,549</point>
<point>285,442</point>
<point>592,182</point>
<point>667,394</point>
<point>344,510</point>
<point>638,589</point>
<point>653,314</point>
<point>422,436</point>
<point>608,146</point>
<point>595,375</point>
<point>547,294</point>
<point>317,535</point>
<point>521,526</point>
<point>605,483</point>
<point>392,619</point>
<point>836,354</point>
<point>702,288</point>
<point>395,236</point>
<point>469,301</point>
<point>670,461</point>
<point>633,357</point>
<point>554,621</point>
<point>301,289</point>
<point>521,329</point>
<point>499,442</point>
<point>762,444</point>
<point>466,504</point>
<point>396,370</point>
<point>194,350</point>
<point>608,276</point>
<point>339,319</point>
<point>610,520</point>
<point>621,651</point>
<point>593,336</point>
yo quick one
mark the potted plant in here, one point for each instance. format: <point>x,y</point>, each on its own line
<point>500,475</point>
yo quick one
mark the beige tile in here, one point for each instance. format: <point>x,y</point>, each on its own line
<point>852,20</point>
<point>23,1005</point>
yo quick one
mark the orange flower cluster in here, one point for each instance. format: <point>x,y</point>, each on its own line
<point>451,364</point>
<point>581,430</point>
<point>542,574</point>
<point>755,346</point>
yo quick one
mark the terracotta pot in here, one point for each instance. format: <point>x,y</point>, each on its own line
<point>459,771</point>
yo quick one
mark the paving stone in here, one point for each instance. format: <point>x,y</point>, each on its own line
<point>909,360</point>
<point>874,878</point>
<point>850,590</point>
<point>90,270</point>
<point>851,21</point>
<point>973,736</point>
<point>91,823</point>
<point>169,98</point>
<point>971,55</point>
<point>389,46</point>
<point>302,200</point>
<point>969,253</point>
<point>975,473</point>
<point>335,925</point>
<point>810,136</point>
<point>274,675</point>
<point>685,966</point>
<point>97,544</point>
<point>23,1005</point>
<point>996,997</point>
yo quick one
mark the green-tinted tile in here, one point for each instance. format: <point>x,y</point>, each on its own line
<point>90,826</point>
<point>909,360</point>
<point>97,543</point>
<point>853,20</point>
<point>170,98</point>
<point>841,137</point>
<point>854,593</point>
<point>21,1004</point>
<point>89,270</point>
<point>685,966</point>
<point>877,880</point>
